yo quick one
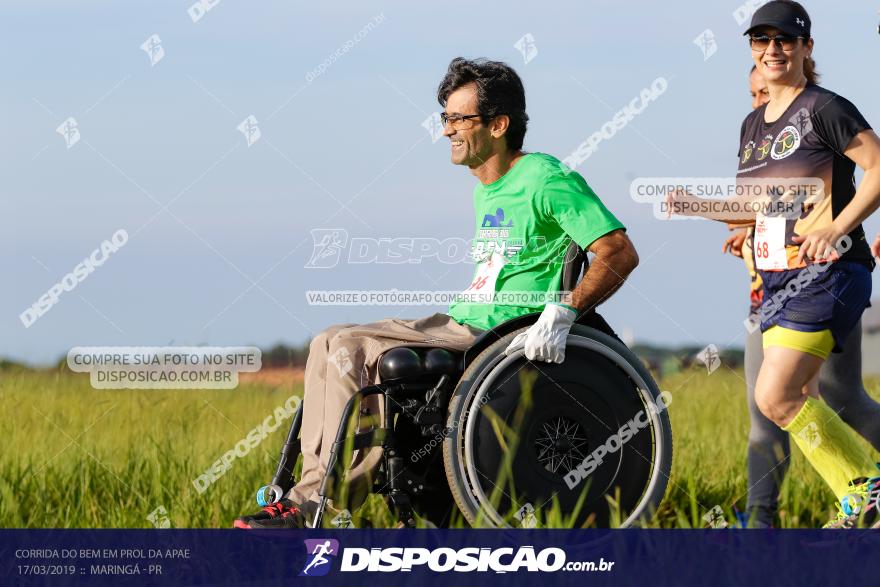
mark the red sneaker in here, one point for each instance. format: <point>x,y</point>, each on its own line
<point>276,511</point>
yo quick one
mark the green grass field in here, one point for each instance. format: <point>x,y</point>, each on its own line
<point>77,457</point>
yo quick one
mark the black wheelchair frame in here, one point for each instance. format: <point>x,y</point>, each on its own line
<point>415,388</point>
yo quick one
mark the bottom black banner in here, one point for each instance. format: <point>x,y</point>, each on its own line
<point>597,557</point>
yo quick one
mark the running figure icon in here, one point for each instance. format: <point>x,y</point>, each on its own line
<point>319,552</point>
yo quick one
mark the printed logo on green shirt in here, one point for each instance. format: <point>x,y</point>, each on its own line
<point>497,219</point>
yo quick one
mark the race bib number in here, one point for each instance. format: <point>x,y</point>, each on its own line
<point>770,252</point>
<point>482,289</point>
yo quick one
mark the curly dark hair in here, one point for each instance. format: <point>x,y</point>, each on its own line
<point>499,91</point>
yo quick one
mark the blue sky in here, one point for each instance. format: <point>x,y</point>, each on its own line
<point>223,264</point>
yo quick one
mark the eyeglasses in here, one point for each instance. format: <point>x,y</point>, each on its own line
<point>760,43</point>
<point>458,120</point>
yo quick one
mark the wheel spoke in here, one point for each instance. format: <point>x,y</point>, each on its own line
<point>560,445</point>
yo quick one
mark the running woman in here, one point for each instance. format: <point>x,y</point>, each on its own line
<point>816,268</point>
<point>840,378</point>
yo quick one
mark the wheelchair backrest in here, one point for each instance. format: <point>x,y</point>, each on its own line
<point>575,264</point>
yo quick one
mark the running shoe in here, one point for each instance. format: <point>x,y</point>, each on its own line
<point>757,518</point>
<point>861,507</point>
<point>277,510</point>
<point>292,518</point>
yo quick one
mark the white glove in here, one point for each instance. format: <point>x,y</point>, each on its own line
<point>545,339</point>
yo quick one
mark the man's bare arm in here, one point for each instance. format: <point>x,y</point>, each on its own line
<point>615,259</point>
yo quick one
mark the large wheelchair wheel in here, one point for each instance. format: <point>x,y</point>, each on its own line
<point>517,429</point>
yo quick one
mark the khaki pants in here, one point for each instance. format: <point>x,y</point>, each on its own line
<point>343,359</point>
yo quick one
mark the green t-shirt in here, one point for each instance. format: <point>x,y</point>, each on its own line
<point>526,219</point>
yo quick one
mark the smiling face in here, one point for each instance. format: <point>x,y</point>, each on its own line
<point>473,144</point>
<point>778,66</point>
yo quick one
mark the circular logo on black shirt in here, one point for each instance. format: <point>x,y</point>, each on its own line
<point>786,143</point>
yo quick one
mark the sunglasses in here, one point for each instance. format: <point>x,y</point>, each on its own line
<point>760,43</point>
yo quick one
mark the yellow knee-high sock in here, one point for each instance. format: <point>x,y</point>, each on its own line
<point>829,446</point>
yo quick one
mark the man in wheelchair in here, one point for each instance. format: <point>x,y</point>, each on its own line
<point>377,394</point>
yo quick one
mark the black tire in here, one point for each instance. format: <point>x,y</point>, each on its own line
<point>576,406</point>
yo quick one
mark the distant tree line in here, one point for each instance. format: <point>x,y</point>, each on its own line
<point>282,355</point>
<point>661,360</point>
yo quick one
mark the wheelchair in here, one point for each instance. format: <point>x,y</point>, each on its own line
<point>496,435</point>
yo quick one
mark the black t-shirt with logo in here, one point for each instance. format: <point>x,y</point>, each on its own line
<point>808,141</point>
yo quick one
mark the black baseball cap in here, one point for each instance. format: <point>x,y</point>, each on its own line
<point>789,17</point>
